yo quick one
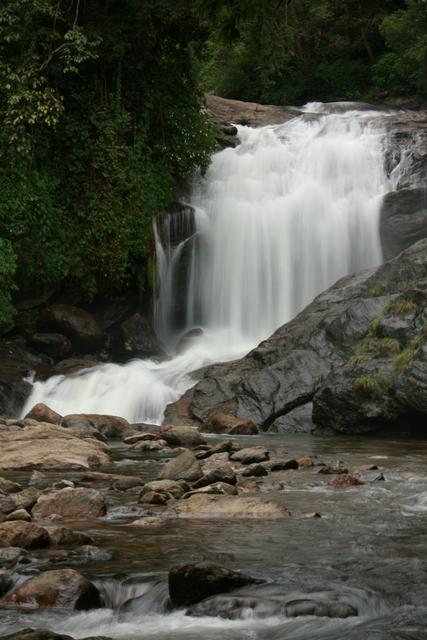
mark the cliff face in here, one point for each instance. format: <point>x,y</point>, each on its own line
<point>354,360</point>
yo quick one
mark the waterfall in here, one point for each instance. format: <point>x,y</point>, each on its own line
<point>273,223</point>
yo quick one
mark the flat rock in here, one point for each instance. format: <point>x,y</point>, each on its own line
<point>71,504</point>
<point>220,473</point>
<point>229,507</point>
<point>46,446</point>
<point>64,588</point>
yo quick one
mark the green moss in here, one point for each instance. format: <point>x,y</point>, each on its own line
<point>375,291</point>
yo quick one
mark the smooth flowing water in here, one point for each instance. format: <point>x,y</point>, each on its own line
<point>277,220</point>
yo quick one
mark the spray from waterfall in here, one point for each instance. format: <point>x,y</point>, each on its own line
<point>275,221</point>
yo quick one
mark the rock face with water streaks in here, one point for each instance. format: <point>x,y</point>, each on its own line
<point>357,352</point>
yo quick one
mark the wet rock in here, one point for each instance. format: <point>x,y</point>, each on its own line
<point>140,437</point>
<point>90,553</point>
<point>403,220</point>
<point>64,588</point>
<point>229,507</point>
<point>250,455</point>
<point>173,487</point>
<point>334,468</point>
<point>297,420</point>
<point>7,486</point>
<point>183,467</point>
<point>308,607</point>
<point>227,446</point>
<point>76,324</point>
<point>216,488</point>
<point>36,634</point>
<point>147,521</point>
<point>191,583</point>
<point>183,437</point>
<point>129,482</point>
<point>282,465</point>
<point>311,514</point>
<point>306,463</point>
<point>64,537</point>
<point>109,426</point>
<point>19,514</point>
<point>45,446</point>
<point>9,555</point>
<point>54,345</point>
<point>255,470</point>
<point>155,497</point>
<point>137,338</point>
<point>43,413</point>
<point>149,445</point>
<point>229,424</point>
<point>63,484</point>
<point>5,582</point>
<point>345,480</point>
<point>71,504</point>
<point>23,534</point>
<point>223,473</point>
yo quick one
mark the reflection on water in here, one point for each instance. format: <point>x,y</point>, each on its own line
<point>369,550</point>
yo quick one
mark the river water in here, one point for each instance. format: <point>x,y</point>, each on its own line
<point>277,220</point>
<point>369,550</point>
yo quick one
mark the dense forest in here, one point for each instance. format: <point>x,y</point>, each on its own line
<point>102,114</point>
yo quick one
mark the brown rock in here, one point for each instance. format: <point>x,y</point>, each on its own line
<point>229,507</point>
<point>43,413</point>
<point>306,462</point>
<point>46,446</point>
<point>23,534</point>
<point>139,437</point>
<point>216,488</point>
<point>255,470</point>
<point>183,437</point>
<point>64,537</point>
<point>71,504</point>
<point>147,521</point>
<point>19,514</point>
<point>334,468</point>
<point>223,423</point>
<point>155,497</point>
<point>173,487</point>
<point>7,486</point>
<point>222,473</point>
<point>183,467</point>
<point>344,480</point>
<point>283,465</point>
<point>64,588</point>
<point>109,426</point>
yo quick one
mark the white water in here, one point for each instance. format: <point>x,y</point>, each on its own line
<point>278,220</point>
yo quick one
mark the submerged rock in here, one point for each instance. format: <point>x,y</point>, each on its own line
<point>63,588</point>
<point>191,583</point>
<point>229,507</point>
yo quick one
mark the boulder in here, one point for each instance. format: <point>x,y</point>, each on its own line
<point>229,424</point>
<point>46,447</point>
<point>23,534</point>
<point>8,486</point>
<point>109,426</point>
<point>345,480</point>
<point>250,455</point>
<point>43,413</point>
<point>136,337</point>
<point>19,514</point>
<point>183,467</point>
<point>71,504</point>
<point>229,507</point>
<point>183,437</point>
<point>54,345</point>
<point>64,537</point>
<point>334,468</point>
<point>222,473</point>
<point>173,487</point>
<point>155,497</point>
<point>64,588</point>
<point>76,324</point>
<point>191,583</point>
<point>216,488</point>
<point>255,470</point>
<point>10,555</point>
<point>282,465</point>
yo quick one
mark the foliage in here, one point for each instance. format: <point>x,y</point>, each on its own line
<point>101,120</point>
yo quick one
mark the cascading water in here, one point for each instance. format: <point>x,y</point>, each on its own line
<point>277,220</point>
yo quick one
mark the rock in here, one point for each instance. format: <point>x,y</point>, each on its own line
<point>188,339</point>
<point>7,486</point>
<point>19,514</point>
<point>183,437</point>
<point>43,413</point>
<point>64,588</point>
<point>216,488</point>
<point>229,507</point>
<point>330,355</point>
<point>297,420</point>
<point>345,480</point>
<point>226,446</point>
<point>307,607</point>
<point>229,424</point>
<point>282,465</point>
<point>250,455</point>
<point>64,537</point>
<point>38,634</point>
<point>155,497</point>
<point>191,583</point>
<point>54,345</point>
<point>149,445</point>
<point>147,521</point>
<point>255,470</point>
<point>403,220</point>
<point>225,111</point>
<point>173,487</point>
<point>71,504</point>
<point>140,437</point>
<point>14,389</point>
<point>23,534</point>
<point>79,326</point>
<point>46,446</point>
<point>311,514</point>
<point>9,555</point>
<point>137,338</point>
<point>334,467</point>
<point>183,467</point>
<point>223,473</point>
<point>109,426</point>
<point>5,582</point>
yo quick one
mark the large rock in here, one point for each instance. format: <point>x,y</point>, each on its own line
<point>229,424</point>
<point>109,426</point>
<point>183,437</point>
<point>43,413</point>
<point>46,446</point>
<point>229,507</point>
<point>54,345</point>
<point>71,504</point>
<point>403,220</point>
<point>191,583</point>
<point>76,324</point>
<point>23,534</point>
<point>354,353</point>
<point>64,588</point>
<point>137,338</point>
<point>183,467</point>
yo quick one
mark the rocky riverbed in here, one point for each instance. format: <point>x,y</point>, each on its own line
<point>329,532</point>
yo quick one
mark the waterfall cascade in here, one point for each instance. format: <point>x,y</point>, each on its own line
<point>275,221</point>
